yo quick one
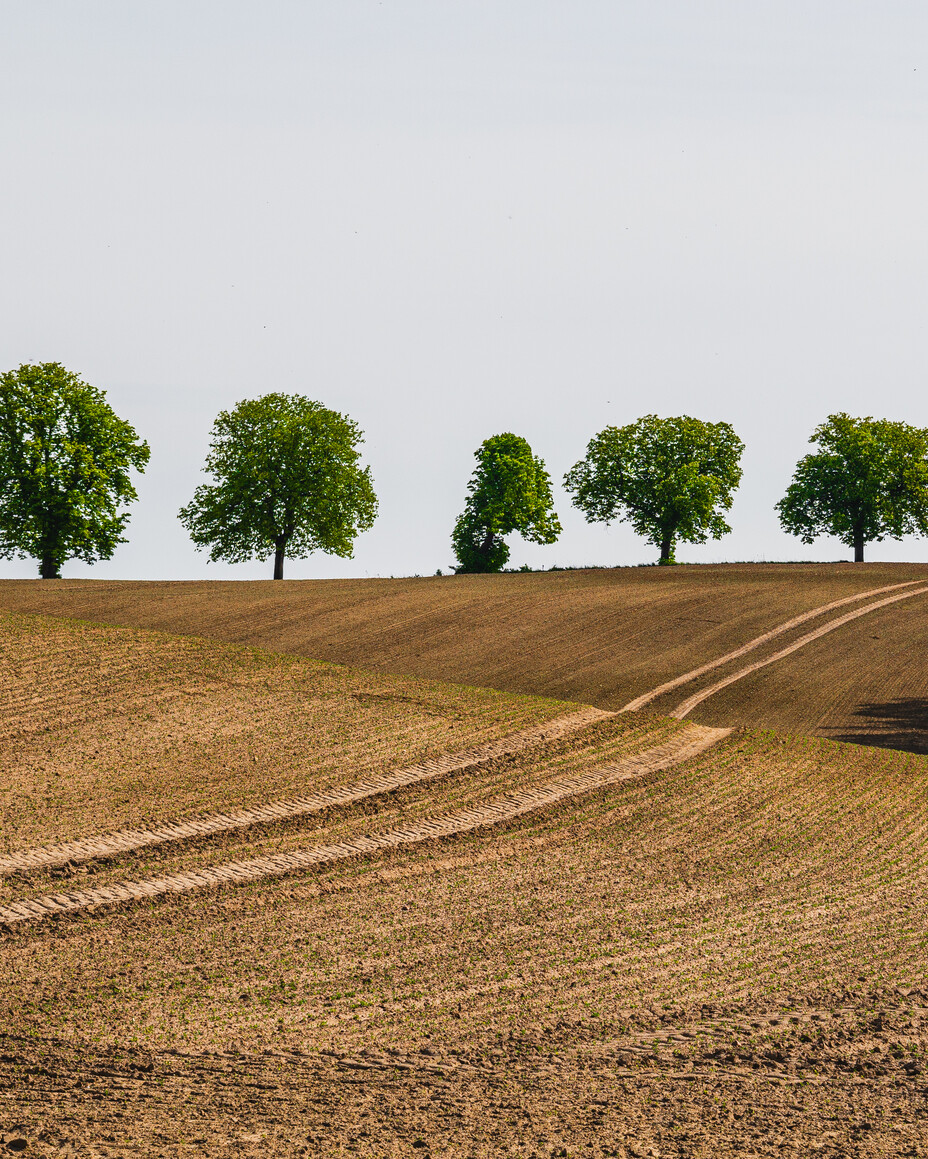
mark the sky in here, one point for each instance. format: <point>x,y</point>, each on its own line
<point>450,219</point>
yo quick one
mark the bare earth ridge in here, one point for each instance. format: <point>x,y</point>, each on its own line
<point>110,845</point>
<point>601,636</point>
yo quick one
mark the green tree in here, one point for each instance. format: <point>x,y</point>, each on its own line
<point>670,478</point>
<point>287,482</point>
<point>64,468</point>
<point>868,480</point>
<point>510,490</point>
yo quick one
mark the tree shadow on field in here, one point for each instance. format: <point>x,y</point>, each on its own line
<point>891,724</point>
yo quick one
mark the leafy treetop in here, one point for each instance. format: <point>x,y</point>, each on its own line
<point>65,458</point>
<point>671,478</point>
<point>287,482</point>
<point>510,490</point>
<point>868,480</point>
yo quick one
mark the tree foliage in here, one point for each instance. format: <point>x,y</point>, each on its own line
<point>670,478</point>
<point>287,482</point>
<point>64,468</point>
<point>867,481</point>
<point>510,490</point>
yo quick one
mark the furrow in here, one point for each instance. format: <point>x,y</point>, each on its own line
<point>691,702</point>
<point>668,686</point>
<point>126,840</point>
<point>692,741</point>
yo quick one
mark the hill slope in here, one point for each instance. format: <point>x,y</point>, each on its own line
<point>706,957</point>
<point>866,683</point>
<point>104,727</point>
<point>600,637</point>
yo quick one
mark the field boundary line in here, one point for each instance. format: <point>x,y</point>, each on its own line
<point>691,702</point>
<point>693,740</point>
<point>126,840</point>
<point>669,685</point>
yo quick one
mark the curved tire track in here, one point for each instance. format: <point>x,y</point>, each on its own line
<point>693,740</point>
<point>691,702</point>
<point>126,840</point>
<point>647,697</point>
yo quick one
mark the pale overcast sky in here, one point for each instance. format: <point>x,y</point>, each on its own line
<point>453,218</point>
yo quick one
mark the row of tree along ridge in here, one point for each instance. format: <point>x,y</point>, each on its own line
<point>286,479</point>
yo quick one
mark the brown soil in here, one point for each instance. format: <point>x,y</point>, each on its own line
<point>724,958</point>
<point>866,682</point>
<point>787,626</point>
<point>478,815</point>
<point>721,957</point>
<point>104,728</point>
<point>101,846</point>
<point>598,637</point>
<point>831,625</point>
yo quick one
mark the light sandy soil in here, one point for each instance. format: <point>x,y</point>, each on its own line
<point>476,816</point>
<point>104,728</point>
<point>110,845</point>
<point>726,956</point>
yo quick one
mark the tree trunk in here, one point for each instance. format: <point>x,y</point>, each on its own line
<point>49,568</point>
<point>484,550</point>
<point>858,546</point>
<point>666,550</point>
<point>279,553</point>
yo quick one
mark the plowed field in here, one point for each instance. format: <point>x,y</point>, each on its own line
<point>600,637</point>
<point>866,682</point>
<point>103,727</point>
<point>648,938</point>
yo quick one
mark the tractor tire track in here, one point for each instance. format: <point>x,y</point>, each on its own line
<point>668,686</point>
<point>683,710</point>
<point>693,740</point>
<point>126,840</point>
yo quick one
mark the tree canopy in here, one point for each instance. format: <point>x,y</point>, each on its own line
<point>65,459</point>
<point>510,490</point>
<point>867,481</point>
<point>670,478</point>
<point>287,482</point>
